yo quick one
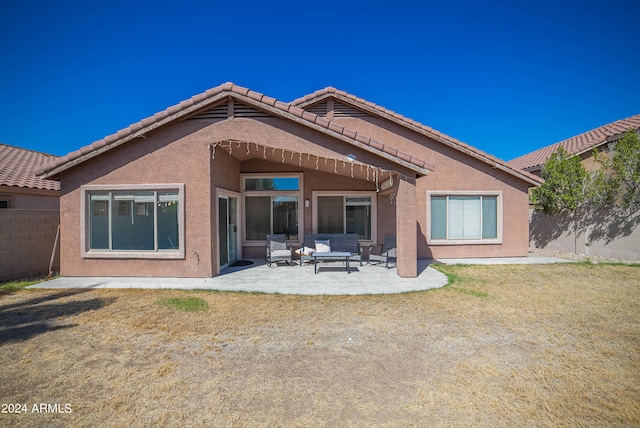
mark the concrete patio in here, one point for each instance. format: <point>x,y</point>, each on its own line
<point>332,278</point>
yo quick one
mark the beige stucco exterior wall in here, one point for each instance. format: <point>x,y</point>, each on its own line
<point>455,171</point>
<point>169,155</point>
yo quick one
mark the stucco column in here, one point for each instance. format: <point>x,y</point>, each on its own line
<point>406,228</point>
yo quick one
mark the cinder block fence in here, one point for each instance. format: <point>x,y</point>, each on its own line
<point>26,243</point>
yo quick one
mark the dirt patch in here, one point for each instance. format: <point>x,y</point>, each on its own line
<point>505,346</point>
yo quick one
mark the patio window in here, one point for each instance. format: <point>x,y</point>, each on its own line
<point>136,222</point>
<point>345,213</point>
<point>271,206</point>
<point>463,218</point>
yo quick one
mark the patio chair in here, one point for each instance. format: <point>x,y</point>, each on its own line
<point>387,251</point>
<point>277,250</point>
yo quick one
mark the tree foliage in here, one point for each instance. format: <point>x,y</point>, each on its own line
<point>565,184</point>
<point>618,180</point>
<point>568,186</point>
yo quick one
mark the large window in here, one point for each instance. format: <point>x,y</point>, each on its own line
<point>465,218</point>
<point>143,220</point>
<point>345,213</point>
<point>271,205</point>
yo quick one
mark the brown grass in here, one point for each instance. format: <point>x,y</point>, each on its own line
<point>502,346</point>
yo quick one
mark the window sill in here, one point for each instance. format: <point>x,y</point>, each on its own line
<point>133,255</point>
<point>464,241</point>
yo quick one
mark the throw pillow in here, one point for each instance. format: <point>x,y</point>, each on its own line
<point>305,251</point>
<point>274,245</point>
<point>323,246</point>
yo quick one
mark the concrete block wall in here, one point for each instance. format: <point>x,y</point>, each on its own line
<point>26,243</point>
<point>603,233</point>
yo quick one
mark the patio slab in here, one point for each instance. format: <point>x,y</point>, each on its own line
<point>332,278</point>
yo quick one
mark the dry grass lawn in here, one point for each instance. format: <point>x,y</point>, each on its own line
<point>552,345</point>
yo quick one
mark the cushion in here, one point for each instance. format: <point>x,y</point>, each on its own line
<point>323,246</point>
<point>274,245</point>
<point>305,251</point>
<point>280,253</point>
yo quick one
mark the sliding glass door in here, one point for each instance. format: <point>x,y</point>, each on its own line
<point>227,230</point>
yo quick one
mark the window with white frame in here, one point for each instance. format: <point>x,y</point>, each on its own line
<point>465,218</point>
<point>271,205</point>
<point>343,212</point>
<point>140,220</point>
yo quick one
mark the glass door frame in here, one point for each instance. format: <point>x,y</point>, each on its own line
<point>232,247</point>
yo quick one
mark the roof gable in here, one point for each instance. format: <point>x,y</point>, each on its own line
<point>314,101</point>
<point>577,145</point>
<point>18,166</point>
<point>211,104</point>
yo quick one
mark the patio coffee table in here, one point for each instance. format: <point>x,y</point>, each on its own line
<point>334,255</point>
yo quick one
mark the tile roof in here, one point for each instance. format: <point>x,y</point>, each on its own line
<point>17,167</point>
<point>211,96</point>
<point>291,110</point>
<point>578,144</point>
<point>416,126</point>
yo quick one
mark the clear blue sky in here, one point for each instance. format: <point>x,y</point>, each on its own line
<point>507,77</point>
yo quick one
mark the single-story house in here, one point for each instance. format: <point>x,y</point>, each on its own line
<point>189,190</point>
<point>19,186</point>
<point>602,138</point>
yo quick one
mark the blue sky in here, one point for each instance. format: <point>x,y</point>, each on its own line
<point>507,77</point>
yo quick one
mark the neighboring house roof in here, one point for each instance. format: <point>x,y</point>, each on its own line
<point>287,110</point>
<point>18,166</point>
<point>418,127</point>
<point>577,145</point>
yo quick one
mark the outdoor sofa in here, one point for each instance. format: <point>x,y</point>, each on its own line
<point>337,242</point>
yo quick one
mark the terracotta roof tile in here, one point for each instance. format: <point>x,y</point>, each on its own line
<point>160,115</point>
<point>349,133</point>
<point>239,89</point>
<point>295,111</point>
<point>127,134</point>
<point>87,149</point>
<point>99,144</point>
<point>577,144</point>
<point>269,100</point>
<point>391,150</point>
<point>177,108</point>
<point>376,144</point>
<point>492,160</point>
<point>324,122</point>
<point>280,105</point>
<point>404,156</point>
<point>255,95</point>
<point>200,97</point>
<point>363,138</point>
<point>213,91</point>
<point>336,127</point>
<point>18,166</point>
<point>74,155</point>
